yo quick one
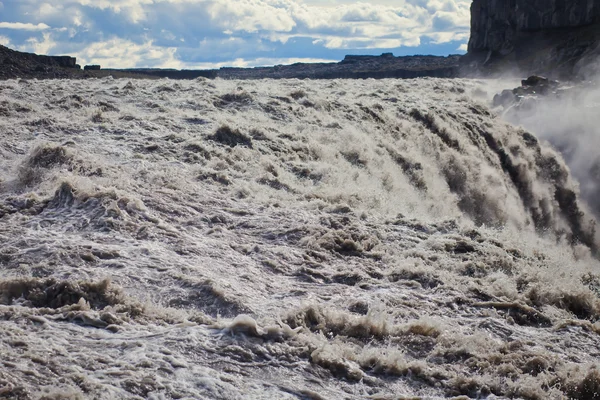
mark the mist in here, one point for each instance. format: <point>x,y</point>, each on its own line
<point>569,120</point>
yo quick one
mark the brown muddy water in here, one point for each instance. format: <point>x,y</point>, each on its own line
<point>288,240</point>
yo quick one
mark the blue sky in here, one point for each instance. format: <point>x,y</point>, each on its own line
<point>215,33</point>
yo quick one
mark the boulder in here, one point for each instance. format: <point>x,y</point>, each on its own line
<point>535,80</point>
<point>505,98</point>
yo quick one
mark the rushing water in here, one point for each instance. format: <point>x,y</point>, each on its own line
<point>287,240</point>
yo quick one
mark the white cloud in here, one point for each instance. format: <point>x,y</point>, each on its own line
<point>345,18</point>
<point>463,47</point>
<point>445,37</point>
<point>337,42</point>
<point>47,9</point>
<point>444,20</point>
<point>4,41</point>
<point>373,25</point>
<point>122,53</point>
<point>168,34</point>
<point>38,46</point>
<point>250,16</point>
<point>257,62</point>
<point>135,10</point>
<point>23,26</point>
<point>216,30</point>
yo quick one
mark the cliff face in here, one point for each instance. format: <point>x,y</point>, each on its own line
<point>556,37</point>
<point>15,64</point>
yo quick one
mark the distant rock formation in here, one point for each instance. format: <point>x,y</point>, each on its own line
<point>558,38</point>
<point>351,67</point>
<point>61,61</point>
<point>15,64</point>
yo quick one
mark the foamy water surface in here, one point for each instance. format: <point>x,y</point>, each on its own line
<point>287,240</point>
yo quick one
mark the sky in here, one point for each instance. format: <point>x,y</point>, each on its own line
<point>198,34</point>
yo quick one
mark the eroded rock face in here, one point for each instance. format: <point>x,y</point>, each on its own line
<point>537,36</point>
<point>15,64</point>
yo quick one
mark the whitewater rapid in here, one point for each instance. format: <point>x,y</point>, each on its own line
<point>287,240</point>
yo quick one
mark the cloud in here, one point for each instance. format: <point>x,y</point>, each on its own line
<point>215,31</point>
<point>122,53</point>
<point>446,37</point>
<point>39,46</point>
<point>134,10</point>
<point>443,20</point>
<point>250,16</point>
<point>23,26</point>
<point>368,43</point>
<point>4,41</point>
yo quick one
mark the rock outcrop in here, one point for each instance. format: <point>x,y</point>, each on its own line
<point>16,64</point>
<point>558,38</point>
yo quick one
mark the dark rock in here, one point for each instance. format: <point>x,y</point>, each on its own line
<point>351,67</point>
<point>556,37</point>
<point>534,80</point>
<point>506,98</point>
<point>530,90</point>
<point>538,84</point>
<point>231,137</point>
<point>64,61</point>
<point>16,64</point>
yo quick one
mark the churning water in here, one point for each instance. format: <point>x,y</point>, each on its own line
<point>287,240</point>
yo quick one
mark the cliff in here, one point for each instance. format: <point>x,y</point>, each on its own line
<point>15,64</point>
<point>554,37</point>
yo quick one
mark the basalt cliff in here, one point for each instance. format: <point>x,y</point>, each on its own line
<point>558,38</point>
